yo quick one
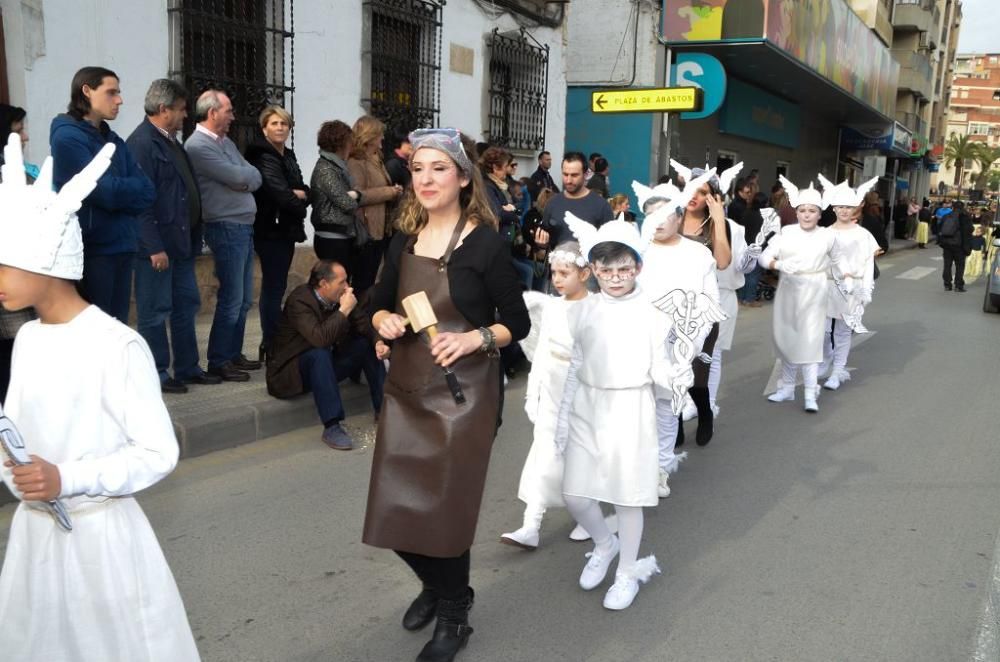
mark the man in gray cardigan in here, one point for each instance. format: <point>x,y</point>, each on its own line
<point>227,183</point>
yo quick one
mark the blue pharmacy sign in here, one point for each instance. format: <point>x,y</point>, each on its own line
<point>752,113</point>
<point>703,71</point>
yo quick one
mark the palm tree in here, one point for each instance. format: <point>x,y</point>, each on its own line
<point>957,151</point>
<point>985,158</point>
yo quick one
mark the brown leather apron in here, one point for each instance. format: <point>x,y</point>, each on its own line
<point>431,454</point>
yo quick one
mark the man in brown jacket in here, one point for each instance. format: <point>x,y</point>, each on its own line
<point>322,337</point>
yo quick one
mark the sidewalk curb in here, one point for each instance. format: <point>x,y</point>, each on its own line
<point>988,633</point>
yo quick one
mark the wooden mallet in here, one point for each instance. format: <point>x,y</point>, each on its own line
<point>420,316</point>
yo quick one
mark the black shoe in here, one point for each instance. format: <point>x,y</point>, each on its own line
<point>243,363</point>
<point>421,611</point>
<point>680,432</point>
<point>173,386</point>
<point>262,353</point>
<point>227,372</point>
<point>204,379</point>
<point>452,631</point>
<point>706,417</point>
<point>960,288</point>
<point>947,288</point>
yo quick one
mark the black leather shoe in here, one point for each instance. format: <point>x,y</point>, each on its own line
<point>960,288</point>
<point>173,386</point>
<point>204,379</point>
<point>262,353</point>
<point>947,288</point>
<point>227,372</point>
<point>451,633</point>
<point>243,363</point>
<point>421,611</point>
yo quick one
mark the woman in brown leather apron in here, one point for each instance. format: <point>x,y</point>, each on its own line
<point>705,222</point>
<point>432,451</point>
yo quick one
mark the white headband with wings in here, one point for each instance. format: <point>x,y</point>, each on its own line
<point>618,231</point>
<point>725,179</point>
<point>676,199</point>
<point>807,196</point>
<point>39,231</point>
<point>842,195</point>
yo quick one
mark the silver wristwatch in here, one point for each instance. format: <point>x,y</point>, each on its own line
<point>489,346</point>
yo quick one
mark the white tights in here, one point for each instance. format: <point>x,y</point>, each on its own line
<point>587,513</point>
<point>714,375</point>
<point>837,344</point>
<point>666,434</point>
<point>789,371</point>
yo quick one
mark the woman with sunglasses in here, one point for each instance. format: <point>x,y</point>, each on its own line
<point>432,447</point>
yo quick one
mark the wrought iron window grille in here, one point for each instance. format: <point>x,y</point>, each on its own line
<point>518,92</point>
<point>241,47</point>
<point>401,62</point>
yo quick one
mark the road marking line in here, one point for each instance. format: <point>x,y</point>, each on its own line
<point>938,258</point>
<point>772,381</point>
<point>916,273</point>
<point>882,266</point>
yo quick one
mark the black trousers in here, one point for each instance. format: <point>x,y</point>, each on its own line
<point>447,577</point>
<point>954,255</point>
<point>6,353</point>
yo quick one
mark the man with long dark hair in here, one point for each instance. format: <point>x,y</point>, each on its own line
<point>109,215</point>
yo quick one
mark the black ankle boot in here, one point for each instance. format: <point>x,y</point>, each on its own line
<point>706,418</point>
<point>421,611</point>
<point>680,432</point>
<point>452,631</point>
<point>262,353</point>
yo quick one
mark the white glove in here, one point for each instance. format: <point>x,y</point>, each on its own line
<point>865,294</point>
<point>755,250</point>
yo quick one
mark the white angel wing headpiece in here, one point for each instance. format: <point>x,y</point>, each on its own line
<point>798,197</point>
<point>842,195</point>
<point>728,175</point>
<point>617,231</point>
<point>39,231</point>
<point>676,198</point>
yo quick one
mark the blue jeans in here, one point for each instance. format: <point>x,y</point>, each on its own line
<point>322,369</point>
<point>107,283</point>
<point>748,292</point>
<point>275,261</point>
<point>232,246</point>
<point>169,295</point>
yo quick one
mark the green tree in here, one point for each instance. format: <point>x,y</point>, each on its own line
<point>957,151</point>
<point>985,157</point>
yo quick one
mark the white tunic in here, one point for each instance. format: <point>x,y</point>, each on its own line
<point>800,304</point>
<point>730,280</point>
<point>857,248</point>
<point>85,396</point>
<point>608,407</point>
<point>542,476</point>
<point>686,265</point>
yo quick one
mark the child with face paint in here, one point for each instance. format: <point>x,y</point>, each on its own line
<point>803,254</point>
<point>541,478</point>
<point>607,420</point>
<point>847,297</point>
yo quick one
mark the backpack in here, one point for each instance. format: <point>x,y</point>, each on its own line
<point>950,226</point>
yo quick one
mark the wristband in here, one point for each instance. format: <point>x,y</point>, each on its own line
<point>489,346</point>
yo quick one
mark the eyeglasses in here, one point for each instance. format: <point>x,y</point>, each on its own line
<point>621,274</point>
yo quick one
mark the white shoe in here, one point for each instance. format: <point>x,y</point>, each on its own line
<point>626,586</point>
<point>690,411</point>
<point>833,383</point>
<point>663,488</point>
<point>811,394</point>
<point>597,566</point>
<point>526,538</point>
<point>579,534</point>
<point>715,411</point>
<point>783,394</point>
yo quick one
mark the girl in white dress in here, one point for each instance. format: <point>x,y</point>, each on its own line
<point>802,253</point>
<point>86,399</point>
<point>607,420</point>
<point>847,297</point>
<point>542,476</point>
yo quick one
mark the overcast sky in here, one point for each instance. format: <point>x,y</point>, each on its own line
<point>979,33</point>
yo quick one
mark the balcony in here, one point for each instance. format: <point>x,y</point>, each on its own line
<point>913,122</point>
<point>915,73</point>
<point>916,16</point>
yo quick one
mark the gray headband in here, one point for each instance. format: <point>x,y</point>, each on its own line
<point>444,140</point>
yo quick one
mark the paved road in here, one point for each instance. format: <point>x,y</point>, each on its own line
<point>865,532</point>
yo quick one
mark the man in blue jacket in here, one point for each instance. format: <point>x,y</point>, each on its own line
<point>169,240</point>
<point>109,215</point>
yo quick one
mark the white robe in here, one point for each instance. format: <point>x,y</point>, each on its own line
<point>542,475</point>
<point>608,413</point>
<point>85,396</point>
<point>857,248</point>
<point>730,280</point>
<point>800,303</point>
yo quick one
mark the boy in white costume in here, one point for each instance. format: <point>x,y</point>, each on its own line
<point>85,396</point>
<point>673,263</point>
<point>847,297</point>
<point>549,352</point>
<point>607,421</point>
<point>803,254</point>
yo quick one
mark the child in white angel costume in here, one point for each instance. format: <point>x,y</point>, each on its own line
<point>548,348</point>
<point>675,269</point>
<point>85,396</point>
<point>607,420</point>
<point>847,297</point>
<point>803,253</point>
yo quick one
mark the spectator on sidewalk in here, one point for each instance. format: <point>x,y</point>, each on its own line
<point>398,163</point>
<point>779,203</point>
<point>169,240</point>
<point>752,221</point>
<point>576,198</point>
<point>378,195</point>
<point>109,216</point>
<point>227,183</point>
<point>924,217</point>
<point>744,194</point>
<point>955,239</point>
<point>591,160</point>
<point>541,179</point>
<point>333,196</point>
<point>323,336</point>
<point>599,182</point>
<point>282,204</point>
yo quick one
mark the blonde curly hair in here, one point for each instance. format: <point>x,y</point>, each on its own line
<point>471,199</point>
<point>367,130</point>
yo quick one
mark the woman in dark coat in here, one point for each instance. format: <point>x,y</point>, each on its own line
<point>432,448</point>
<point>282,202</point>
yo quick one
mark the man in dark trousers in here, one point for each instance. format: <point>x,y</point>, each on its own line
<point>955,240</point>
<point>323,337</point>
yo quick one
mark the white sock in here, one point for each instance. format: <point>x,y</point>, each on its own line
<point>714,376</point>
<point>666,433</point>
<point>630,524</point>
<point>789,371</point>
<point>810,374</point>
<point>841,344</point>
<point>587,513</point>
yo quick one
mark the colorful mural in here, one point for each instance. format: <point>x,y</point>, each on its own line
<point>826,35</point>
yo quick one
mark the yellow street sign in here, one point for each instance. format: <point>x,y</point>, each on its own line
<point>648,100</point>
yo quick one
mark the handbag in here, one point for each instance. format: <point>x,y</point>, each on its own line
<point>361,235</point>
